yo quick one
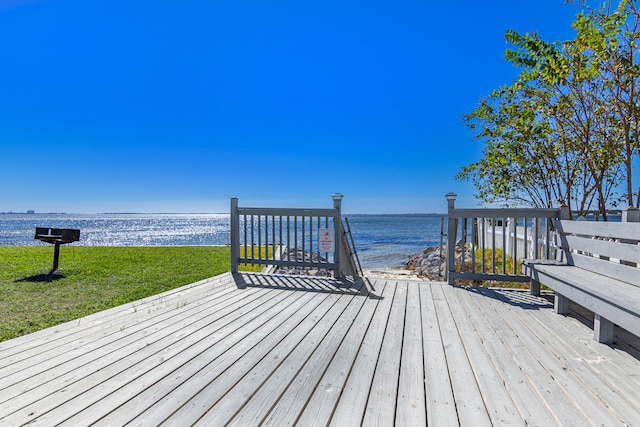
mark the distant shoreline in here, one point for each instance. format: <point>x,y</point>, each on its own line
<point>207,213</point>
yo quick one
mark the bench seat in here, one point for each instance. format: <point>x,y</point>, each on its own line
<point>612,301</point>
<point>599,271</point>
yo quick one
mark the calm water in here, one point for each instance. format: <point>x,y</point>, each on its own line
<point>381,240</point>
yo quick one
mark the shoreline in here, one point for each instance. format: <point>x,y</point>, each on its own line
<point>398,273</point>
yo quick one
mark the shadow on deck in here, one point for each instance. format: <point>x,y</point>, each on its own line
<point>351,286</point>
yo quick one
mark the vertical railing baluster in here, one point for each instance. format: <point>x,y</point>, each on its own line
<point>259,237</point>
<point>473,244</point>
<point>493,244</point>
<point>317,238</point>
<point>303,236</point>
<point>288,238</point>
<point>266,238</point>
<point>252,239</point>
<point>525,252</point>
<point>273,237</point>
<point>280,239</point>
<point>515,242</point>
<point>326,225</point>
<point>245,248</point>
<point>504,245</point>
<point>548,237</point>
<point>483,250</point>
<point>310,240</point>
<point>295,235</point>
<point>536,238</point>
<point>464,244</point>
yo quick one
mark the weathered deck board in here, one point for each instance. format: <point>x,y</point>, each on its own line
<point>538,367</point>
<point>353,402</point>
<point>441,406</point>
<point>281,350</point>
<point>411,406</point>
<point>598,385</point>
<point>501,408</point>
<point>381,403</point>
<point>530,407</point>
<point>468,399</point>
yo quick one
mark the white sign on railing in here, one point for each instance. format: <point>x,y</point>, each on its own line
<point>327,240</point>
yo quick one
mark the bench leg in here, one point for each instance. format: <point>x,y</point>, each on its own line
<point>603,330</point>
<point>535,287</point>
<point>561,304</point>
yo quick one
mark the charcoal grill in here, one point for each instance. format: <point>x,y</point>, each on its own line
<point>57,237</point>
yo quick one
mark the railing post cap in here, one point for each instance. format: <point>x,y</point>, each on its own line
<point>337,196</point>
<point>451,196</point>
<point>631,214</point>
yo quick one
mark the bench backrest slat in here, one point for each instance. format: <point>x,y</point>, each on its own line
<point>616,230</point>
<point>621,272</point>
<point>607,248</point>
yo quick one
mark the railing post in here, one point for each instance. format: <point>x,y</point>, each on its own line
<point>337,223</point>
<point>451,237</point>
<point>631,214</point>
<point>235,235</point>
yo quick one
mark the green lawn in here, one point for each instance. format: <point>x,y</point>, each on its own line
<point>93,278</point>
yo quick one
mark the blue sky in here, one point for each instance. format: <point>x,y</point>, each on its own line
<point>167,106</point>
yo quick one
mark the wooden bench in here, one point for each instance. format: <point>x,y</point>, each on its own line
<point>598,269</point>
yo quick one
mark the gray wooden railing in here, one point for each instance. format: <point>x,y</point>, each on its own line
<point>487,244</point>
<point>289,237</point>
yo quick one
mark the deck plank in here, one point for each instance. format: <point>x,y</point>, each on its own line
<point>469,403</point>
<point>440,402</point>
<point>144,391</point>
<point>561,391</point>
<point>268,335</point>
<point>609,362</point>
<point>381,406</point>
<point>583,365</point>
<point>101,375</point>
<point>204,393</point>
<point>307,356</point>
<point>353,401</point>
<point>517,383</point>
<point>411,405</point>
<point>321,404</point>
<point>61,335</point>
<point>273,349</point>
<point>498,399</point>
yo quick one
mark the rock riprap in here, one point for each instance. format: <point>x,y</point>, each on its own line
<point>431,264</point>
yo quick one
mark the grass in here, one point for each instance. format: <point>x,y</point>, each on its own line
<point>93,278</point>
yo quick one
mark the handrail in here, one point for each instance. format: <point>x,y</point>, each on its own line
<point>265,233</point>
<point>487,244</point>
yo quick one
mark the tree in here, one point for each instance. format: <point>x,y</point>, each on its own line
<point>567,128</point>
<point>520,163</point>
<point>609,40</point>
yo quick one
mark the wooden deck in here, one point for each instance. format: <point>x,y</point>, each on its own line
<point>276,350</point>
